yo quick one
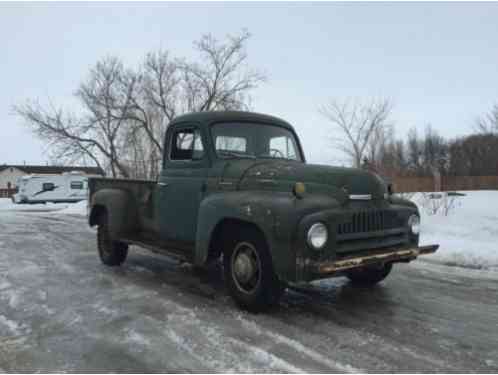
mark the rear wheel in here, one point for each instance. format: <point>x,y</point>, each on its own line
<point>112,253</point>
<point>369,275</point>
<point>249,273</point>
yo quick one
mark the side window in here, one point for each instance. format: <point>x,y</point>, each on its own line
<point>186,144</point>
<point>77,185</point>
<point>282,147</point>
<point>48,186</point>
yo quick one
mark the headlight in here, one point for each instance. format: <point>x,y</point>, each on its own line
<point>414,224</point>
<point>317,235</point>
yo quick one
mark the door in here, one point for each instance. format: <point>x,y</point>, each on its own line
<point>182,184</point>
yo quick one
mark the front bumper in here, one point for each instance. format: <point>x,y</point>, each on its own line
<point>323,269</point>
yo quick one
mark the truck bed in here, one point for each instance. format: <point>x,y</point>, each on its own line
<point>145,232</point>
<point>142,193</point>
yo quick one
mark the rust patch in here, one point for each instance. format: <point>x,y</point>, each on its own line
<point>392,256</point>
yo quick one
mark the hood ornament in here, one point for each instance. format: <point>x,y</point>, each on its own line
<point>360,197</point>
<point>356,197</point>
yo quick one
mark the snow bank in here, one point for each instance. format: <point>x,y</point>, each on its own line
<point>79,208</point>
<point>468,235</point>
<point>6,204</point>
<point>55,208</point>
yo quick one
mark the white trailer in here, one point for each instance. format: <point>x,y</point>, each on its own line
<point>66,187</point>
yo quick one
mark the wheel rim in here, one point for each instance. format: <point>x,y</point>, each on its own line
<point>246,267</point>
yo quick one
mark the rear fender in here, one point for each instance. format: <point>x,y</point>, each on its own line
<point>121,210</point>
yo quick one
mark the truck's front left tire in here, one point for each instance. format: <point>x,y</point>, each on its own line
<point>111,252</point>
<point>249,273</point>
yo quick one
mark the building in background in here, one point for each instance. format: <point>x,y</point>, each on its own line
<point>9,174</point>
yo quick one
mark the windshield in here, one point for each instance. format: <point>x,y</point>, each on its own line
<point>254,140</point>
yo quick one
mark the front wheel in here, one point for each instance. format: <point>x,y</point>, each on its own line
<point>369,275</point>
<point>111,253</point>
<point>249,273</point>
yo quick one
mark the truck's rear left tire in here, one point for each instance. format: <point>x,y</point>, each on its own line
<point>249,273</point>
<point>369,275</point>
<point>111,252</point>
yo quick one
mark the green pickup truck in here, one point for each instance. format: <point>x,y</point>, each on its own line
<point>236,186</point>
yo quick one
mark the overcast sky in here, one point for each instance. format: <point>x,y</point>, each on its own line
<point>437,61</point>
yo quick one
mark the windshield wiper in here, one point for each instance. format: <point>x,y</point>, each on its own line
<point>233,154</point>
<point>276,158</point>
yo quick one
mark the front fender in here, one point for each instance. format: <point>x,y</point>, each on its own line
<point>121,210</point>
<point>276,214</point>
<point>229,205</point>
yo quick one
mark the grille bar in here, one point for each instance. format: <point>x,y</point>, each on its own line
<point>368,221</point>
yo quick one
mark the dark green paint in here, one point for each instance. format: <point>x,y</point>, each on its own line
<point>191,199</point>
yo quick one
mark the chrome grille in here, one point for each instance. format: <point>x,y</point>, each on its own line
<point>368,221</point>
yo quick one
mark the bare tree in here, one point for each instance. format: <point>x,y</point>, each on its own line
<point>106,104</point>
<point>168,87</point>
<point>378,147</point>
<point>65,135</point>
<point>474,155</point>
<point>435,152</point>
<point>125,112</point>
<point>357,122</point>
<point>223,80</point>
<point>97,132</point>
<point>415,149</point>
<point>489,122</point>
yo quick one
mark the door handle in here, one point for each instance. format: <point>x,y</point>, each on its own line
<point>162,183</point>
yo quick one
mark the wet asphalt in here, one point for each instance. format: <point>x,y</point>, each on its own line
<point>62,310</point>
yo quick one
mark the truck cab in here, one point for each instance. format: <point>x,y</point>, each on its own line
<point>236,186</point>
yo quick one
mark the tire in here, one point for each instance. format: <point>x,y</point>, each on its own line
<point>248,251</point>
<point>369,275</point>
<point>112,253</point>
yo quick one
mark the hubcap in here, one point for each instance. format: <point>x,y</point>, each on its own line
<point>243,267</point>
<point>246,267</point>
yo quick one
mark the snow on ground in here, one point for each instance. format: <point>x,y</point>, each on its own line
<point>75,209</point>
<point>468,235</point>
<point>61,311</point>
<point>55,208</point>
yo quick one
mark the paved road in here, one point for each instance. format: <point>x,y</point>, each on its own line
<point>61,310</point>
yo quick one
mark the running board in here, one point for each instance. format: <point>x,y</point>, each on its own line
<point>362,261</point>
<point>177,254</point>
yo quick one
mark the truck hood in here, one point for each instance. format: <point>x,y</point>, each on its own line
<point>282,175</point>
